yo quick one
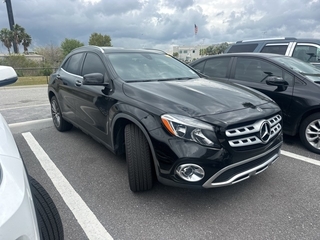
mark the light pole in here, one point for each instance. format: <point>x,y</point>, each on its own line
<point>11,23</point>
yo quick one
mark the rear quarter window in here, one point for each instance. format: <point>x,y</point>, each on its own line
<point>243,48</point>
<point>199,66</point>
<point>277,49</point>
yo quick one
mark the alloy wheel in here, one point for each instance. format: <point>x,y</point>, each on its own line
<point>313,133</point>
<point>55,111</point>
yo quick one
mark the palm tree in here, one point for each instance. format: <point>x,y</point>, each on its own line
<point>26,41</point>
<point>6,37</point>
<point>18,33</point>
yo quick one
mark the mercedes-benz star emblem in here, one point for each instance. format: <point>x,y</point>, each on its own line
<point>265,132</point>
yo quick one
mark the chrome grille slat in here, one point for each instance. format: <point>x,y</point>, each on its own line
<point>251,131</point>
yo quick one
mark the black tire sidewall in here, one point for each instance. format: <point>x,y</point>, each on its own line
<point>49,221</point>
<point>139,161</point>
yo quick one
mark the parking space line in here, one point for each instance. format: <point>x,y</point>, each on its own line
<point>86,218</point>
<point>30,125</point>
<point>301,158</point>
<point>27,106</point>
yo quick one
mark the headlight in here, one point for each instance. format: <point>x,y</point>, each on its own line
<point>190,129</point>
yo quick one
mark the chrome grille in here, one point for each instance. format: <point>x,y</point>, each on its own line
<point>250,134</point>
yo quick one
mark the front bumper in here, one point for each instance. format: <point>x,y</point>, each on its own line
<point>217,167</point>
<point>18,218</point>
<point>243,170</point>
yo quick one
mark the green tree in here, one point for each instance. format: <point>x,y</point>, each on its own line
<point>18,32</point>
<point>203,52</point>
<point>220,48</point>
<point>69,44</point>
<point>216,49</point>
<point>100,40</point>
<point>26,41</point>
<point>18,61</point>
<point>15,37</point>
<point>209,50</point>
<point>175,54</point>
<point>6,38</point>
<point>52,54</point>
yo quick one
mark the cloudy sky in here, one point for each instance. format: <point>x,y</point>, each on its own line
<point>162,23</point>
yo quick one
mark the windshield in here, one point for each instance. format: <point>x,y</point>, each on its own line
<point>133,66</point>
<point>299,66</point>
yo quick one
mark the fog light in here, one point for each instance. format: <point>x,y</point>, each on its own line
<point>190,172</point>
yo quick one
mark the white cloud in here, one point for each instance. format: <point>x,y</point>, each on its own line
<point>90,1</point>
<point>161,23</point>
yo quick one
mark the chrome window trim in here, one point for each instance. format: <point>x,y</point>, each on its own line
<point>72,74</point>
<point>276,44</point>
<point>264,39</point>
<point>309,44</point>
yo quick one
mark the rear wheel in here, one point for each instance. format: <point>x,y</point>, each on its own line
<point>49,221</point>
<point>58,121</point>
<point>310,132</point>
<point>139,161</point>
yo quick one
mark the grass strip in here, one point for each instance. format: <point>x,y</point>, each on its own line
<point>26,81</point>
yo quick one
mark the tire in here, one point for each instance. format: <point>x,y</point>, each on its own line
<point>138,157</point>
<point>58,121</point>
<point>310,132</point>
<point>49,221</point>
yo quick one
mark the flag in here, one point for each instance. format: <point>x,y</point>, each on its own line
<point>195,29</point>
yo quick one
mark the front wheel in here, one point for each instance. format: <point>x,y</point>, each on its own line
<point>139,161</point>
<point>310,132</point>
<point>58,121</point>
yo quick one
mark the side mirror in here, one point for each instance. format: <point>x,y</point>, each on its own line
<point>7,75</point>
<point>97,79</point>
<point>93,79</point>
<point>278,82</point>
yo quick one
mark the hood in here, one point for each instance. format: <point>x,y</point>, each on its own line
<point>195,97</point>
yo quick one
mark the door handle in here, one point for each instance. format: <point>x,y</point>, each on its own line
<point>78,83</point>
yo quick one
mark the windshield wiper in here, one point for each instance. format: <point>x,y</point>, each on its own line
<point>179,78</point>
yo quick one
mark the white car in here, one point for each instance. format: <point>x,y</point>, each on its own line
<point>26,210</point>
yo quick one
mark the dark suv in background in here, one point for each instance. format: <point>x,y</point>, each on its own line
<point>169,122</point>
<point>305,49</point>
<point>292,83</point>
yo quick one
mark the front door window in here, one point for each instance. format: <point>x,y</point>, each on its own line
<point>307,52</point>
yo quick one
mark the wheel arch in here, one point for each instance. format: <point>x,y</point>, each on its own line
<point>118,126</point>
<point>304,116</point>
<point>51,94</point>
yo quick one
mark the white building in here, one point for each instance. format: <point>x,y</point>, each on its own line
<point>188,53</point>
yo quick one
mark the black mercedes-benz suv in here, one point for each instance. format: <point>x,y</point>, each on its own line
<point>172,124</point>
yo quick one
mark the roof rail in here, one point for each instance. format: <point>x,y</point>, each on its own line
<point>262,39</point>
<point>155,50</point>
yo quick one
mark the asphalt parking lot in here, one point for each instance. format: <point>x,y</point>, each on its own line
<point>90,187</point>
